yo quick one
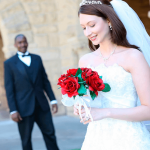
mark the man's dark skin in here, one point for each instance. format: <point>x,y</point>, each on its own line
<point>21,44</point>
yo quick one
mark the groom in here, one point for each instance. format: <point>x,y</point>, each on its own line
<point>25,83</point>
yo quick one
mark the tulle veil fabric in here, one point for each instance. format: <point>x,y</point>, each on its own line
<point>136,32</point>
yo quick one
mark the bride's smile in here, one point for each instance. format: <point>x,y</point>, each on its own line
<point>96,29</point>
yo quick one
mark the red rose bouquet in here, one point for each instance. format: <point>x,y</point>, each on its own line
<point>79,82</point>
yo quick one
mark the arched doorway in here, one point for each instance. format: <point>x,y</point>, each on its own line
<point>3,103</point>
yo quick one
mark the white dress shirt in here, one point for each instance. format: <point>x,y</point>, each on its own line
<point>27,60</point>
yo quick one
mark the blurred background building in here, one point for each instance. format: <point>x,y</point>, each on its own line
<point>53,32</point>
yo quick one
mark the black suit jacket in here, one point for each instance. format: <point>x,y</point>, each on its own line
<point>21,92</point>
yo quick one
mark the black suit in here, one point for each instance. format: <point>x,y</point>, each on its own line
<point>25,88</point>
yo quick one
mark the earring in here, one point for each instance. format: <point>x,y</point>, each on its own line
<point>110,27</point>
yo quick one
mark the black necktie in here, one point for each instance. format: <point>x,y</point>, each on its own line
<point>25,55</point>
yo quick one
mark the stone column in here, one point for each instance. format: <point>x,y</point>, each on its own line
<point>4,111</point>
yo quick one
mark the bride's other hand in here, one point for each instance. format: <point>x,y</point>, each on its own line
<point>96,113</point>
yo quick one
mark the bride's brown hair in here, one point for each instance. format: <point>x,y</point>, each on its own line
<point>106,11</point>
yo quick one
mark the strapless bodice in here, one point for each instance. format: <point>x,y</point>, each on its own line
<point>123,93</point>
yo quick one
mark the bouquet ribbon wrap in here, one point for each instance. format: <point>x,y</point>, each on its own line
<point>78,100</point>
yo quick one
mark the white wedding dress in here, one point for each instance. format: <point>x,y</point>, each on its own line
<point>114,134</point>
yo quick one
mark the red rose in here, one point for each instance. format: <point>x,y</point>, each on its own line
<point>72,72</point>
<point>95,83</point>
<point>61,79</point>
<point>86,72</point>
<point>70,86</point>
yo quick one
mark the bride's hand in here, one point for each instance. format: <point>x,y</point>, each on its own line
<point>96,113</point>
<point>76,111</point>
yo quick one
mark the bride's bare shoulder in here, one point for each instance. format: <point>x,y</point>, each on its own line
<point>85,59</point>
<point>134,54</point>
<point>131,54</point>
<point>135,58</point>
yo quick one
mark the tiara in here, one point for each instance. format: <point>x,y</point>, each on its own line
<point>84,2</point>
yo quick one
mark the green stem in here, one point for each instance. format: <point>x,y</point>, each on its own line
<point>82,82</point>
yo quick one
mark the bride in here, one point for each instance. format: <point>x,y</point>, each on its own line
<point>121,54</point>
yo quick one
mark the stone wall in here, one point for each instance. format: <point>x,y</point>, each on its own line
<point>3,103</point>
<point>53,31</point>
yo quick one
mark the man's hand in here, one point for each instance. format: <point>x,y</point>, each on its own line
<point>54,108</point>
<point>16,117</point>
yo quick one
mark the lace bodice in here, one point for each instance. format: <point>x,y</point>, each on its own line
<point>123,93</point>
